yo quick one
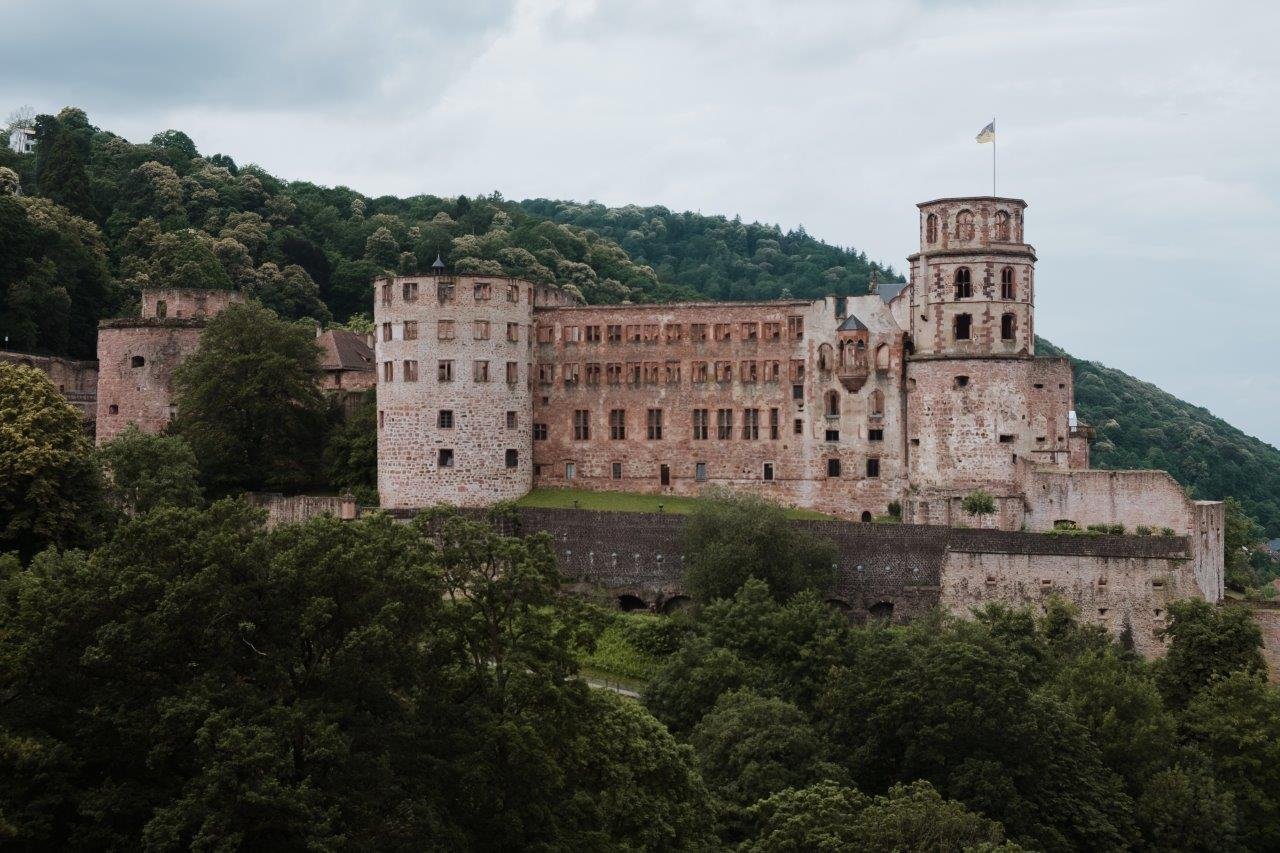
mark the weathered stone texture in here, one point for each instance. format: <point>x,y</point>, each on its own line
<point>75,380</point>
<point>136,362</point>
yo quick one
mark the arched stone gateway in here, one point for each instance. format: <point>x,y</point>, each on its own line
<point>676,603</point>
<point>881,611</point>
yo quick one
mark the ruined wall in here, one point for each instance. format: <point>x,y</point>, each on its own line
<point>186,303</point>
<point>76,380</point>
<point>292,509</point>
<point>1267,615</point>
<point>784,361</point>
<point>1122,583</point>
<point>453,363</point>
<point>136,361</point>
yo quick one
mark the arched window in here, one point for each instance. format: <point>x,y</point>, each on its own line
<point>1002,226</point>
<point>931,228</point>
<point>964,225</point>
<point>825,354</point>
<point>964,289</point>
<point>877,402</point>
<point>833,404</point>
<point>1007,327</point>
<point>1006,283</point>
<point>882,357</point>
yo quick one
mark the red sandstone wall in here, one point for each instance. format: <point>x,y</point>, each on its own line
<point>142,395</point>
<point>1267,615</point>
<point>75,380</point>
<point>185,303</point>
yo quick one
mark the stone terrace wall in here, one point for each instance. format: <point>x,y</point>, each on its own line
<point>283,509</point>
<point>1267,615</point>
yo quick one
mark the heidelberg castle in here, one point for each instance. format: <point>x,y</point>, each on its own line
<point>915,395</point>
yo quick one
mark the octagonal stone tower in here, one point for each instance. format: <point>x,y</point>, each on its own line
<point>454,356</point>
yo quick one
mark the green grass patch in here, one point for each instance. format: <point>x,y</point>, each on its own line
<point>628,502</point>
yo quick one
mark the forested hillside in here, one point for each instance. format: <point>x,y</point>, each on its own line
<point>99,217</point>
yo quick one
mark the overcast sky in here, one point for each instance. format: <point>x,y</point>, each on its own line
<point>1144,135</point>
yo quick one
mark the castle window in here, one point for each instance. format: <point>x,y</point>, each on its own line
<point>1006,438</point>
<point>698,371</point>
<point>445,330</point>
<point>877,403</point>
<point>962,381</point>
<point>513,332</point>
<point>832,435</point>
<point>749,371</point>
<point>593,334</point>
<point>767,474</point>
<point>774,423</point>
<point>444,457</point>
<point>546,374</point>
<point>964,283</point>
<point>481,371</point>
<point>722,332</point>
<point>751,424</point>
<point>655,424</point>
<point>570,374</point>
<point>700,422</point>
<point>651,333</point>
<point>1007,327</point>
<point>513,294</point>
<point>724,371</point>
<point>615,470</point>
<point>633,372</point>
<point>388,371</point>
<point>137,361</point>
<point>873,467</point>
<point>931,228</point>
<point>866,517</point>
<point>382,419</point>
<point>511,420</point>
<point>915,442</point>
<point>797,370</point>
<point>724,424</point>
<point>1002,226</point>
<point>700,471</point>
<point>751,331</point>
<point>410,370</point>
<point>634,333</point>
<point>613,372</point>
<point>797,426</point>
<point>615,334</point>
<point>386,294</point>
<point>409,290</point>
<point>671,372</point>
<point>674,332</point>
<point>833,404</point>
<point>797,392</point>
<point>833,467</point>
<point>570,470</point>
<point>964,225</point>
<point>581,425</point>
<point>513,458</point>
<point>593,373</point>
<point>444,292</point>
<point>539,432</point>
<point>483,291</point>
<point>697,331</point>
<point>617,424</point>
<point>773,331</point>
<point>875,435</point>
<point>480,331</point>
<point>162,310</point>
<point>113,409</point>
<point>445,419</point>
<point>546,333</point>
<point>444,370</point>
<point>410,330</point>
<point>651,373</point>
<point>513,372</point>
<point>1006,283</point>
<point>571,334</point>
<point>795,327</point>
<point>963,322</point>
<point>825,358</point>
<point>772,371</point>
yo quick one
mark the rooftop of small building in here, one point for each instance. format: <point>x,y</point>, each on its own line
<point>343,349</point>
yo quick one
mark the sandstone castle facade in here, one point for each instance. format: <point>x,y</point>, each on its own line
<point>914,395</point>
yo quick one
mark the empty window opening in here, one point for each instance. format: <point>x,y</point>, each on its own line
<point>654,424</point>
<point>162,310</point>
<point>513,458</point>
<point>444,458</point>
<point>570,470</point>
<point>964,283</point>
<point>875,435</point>
<point>833,435</point>
<point>137,361</point>
<point>962,381</point>
<point>797,392</point>
<point>964,225</point>
<point>1006,283</point>
<point>833,404</point>
<point>539,432</point>
<point>866,516</point>
<point>1007,327</point>
<point>700,424</point>
<point>1006,438</point>
<point>833,467</point>
<point>511,420</point>
<point>797,426</point>
<point>1002,226</point>
<point>873,467</point>
<point>700,472</point>
<point>963,323</point>
<point>581,425</point>
<point>768,471</point>
<point>615,470</point>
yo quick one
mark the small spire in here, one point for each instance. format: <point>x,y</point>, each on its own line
<point>873,286</point>
<point>439,264</point>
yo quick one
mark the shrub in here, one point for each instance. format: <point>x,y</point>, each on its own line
<point>979,502</point>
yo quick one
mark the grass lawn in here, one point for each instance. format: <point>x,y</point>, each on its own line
<point>626,502</point>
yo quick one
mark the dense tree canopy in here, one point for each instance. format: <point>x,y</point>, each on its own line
<point>145,472</point>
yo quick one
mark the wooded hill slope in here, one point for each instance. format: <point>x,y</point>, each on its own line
<point>100,217</point>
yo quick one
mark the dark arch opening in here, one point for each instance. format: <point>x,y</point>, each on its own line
<point>866,516</point>
<point>838,604</point>
<point>137,361</point>
<point>676,603</point>
<point>964,283</point>
<point>629,603</point>
<point>881,611</point>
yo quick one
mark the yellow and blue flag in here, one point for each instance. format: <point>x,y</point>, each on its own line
<point>988,133</point>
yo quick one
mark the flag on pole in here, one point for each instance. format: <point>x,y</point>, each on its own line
<point>988,133</point>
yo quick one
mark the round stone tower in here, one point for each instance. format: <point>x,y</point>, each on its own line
<point>972,282</point>
<point>454,409</point>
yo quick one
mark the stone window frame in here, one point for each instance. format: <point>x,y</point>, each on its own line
<point>1008,287</point>
<point>386,294</point>
<point>513,333</point>
<point>446,330</point>
<point>722,332</point>
<point>700,472</point>
<point>833,467</point>
<point>137,361</point>
<point>513,294</point>
<point>410,330</point>
<point>388,371</point>
<point>445,293</point>
<point>571,334</point>
<point>876,434</point>
<point>386,332</point>
<point>546,333</point>
<point>750,372</point>
<point>539,432</point>
<point>592,334</point>
<point>1008,326</point>
<point>724,371</point>
<point>444,419</point>
<point>767,472</point>
<point>724,424</point>
<point>581,424</point>
<point>546,374</point>
<point>962,279</point>
<point>750,424</point>
<point>512,458</point>
<point>634,333</point>
<point>797,426</point>
<point>593,373</point>
<point>652,372</point>
<point>615,470</point>
<point>409,291</point>
<point>444,370</point>
<point>698,332</point>
<point>931,228</point>
<point>480,330</point>
<point>513,419</point>
<point>671,373</point>
<point>775,424</point>
<point>772,331</point>
<point>444,458</point>
<point>617,424</point>
<point>772,370</point>
<point>699,371</point>
<point>750,331</point>
<point>482,291</point>
<point>614,332</point>
<point>410,369</point>
<point>795,327</point>
<point>673,332</point>
<point>701,421</point>
<point>635,372</point>
<point>480,370</point>
<point>613,373</point>
<point>653,422</point>
<point>962,327</point>
<point>873,467</point>
<point>570,374</point>
<point>513,372</point>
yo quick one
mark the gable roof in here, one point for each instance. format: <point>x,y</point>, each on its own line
<point>344,350</point>
<point>852,324</point>
<point>890,289</point>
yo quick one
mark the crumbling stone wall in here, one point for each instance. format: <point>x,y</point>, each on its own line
<point>76,380</point>
<point>1267,615</point>
<point>136,362</point>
